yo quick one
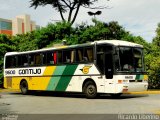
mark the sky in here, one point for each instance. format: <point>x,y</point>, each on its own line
<point>139,17</point>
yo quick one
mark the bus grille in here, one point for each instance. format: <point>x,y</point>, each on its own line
<point>9,82</point>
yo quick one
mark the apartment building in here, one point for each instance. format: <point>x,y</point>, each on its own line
<point>19,25</point>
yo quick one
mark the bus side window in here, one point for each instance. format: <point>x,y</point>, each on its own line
<point>79,55</point>
<point>73,56</point>
<point>59,57</point>
<point>10,61</point>
<point>37,59</point>
<point>66,56</point>
<point>31,60</point>
<point>44,58</point>
<point>24,59</point>
<point>88,54</point>
<point>50,58</point>
<point>19,62</point>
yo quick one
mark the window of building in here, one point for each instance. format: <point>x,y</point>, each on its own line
<point>5,25</point>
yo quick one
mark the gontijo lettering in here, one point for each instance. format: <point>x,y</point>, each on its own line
<point>29,71</point>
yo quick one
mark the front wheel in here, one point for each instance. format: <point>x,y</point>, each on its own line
<point>90,90</point>
<point>24,87</point>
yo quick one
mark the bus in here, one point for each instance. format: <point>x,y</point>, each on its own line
<point>106,66</point>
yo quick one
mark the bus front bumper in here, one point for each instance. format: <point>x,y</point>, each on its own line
<point>131,87</point>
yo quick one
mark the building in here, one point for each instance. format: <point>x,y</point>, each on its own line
<point>19,25</point>
<point>5,26</point>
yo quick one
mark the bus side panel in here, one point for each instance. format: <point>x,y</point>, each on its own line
<point>5,83</point>
<point>38,83</point>
<point>14,82</point>
<point>86,72</point>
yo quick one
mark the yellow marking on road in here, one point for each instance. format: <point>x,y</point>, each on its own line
<point>9,90</point>
<point>144,92</point>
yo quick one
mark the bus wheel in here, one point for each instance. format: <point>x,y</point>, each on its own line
<point>24,87</point>
<point>117,95</point>
<point>90,90</point>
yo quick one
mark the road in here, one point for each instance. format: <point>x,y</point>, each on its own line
<point>53,103</point>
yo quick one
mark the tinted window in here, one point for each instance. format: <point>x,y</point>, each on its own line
<point>59,56</point>
<point>79,55</point>
<point>24,60</point>
<point>85,54</point>
<point>35,59</point>
<point>88,54</point>
<point>50,59</point>
<point>101,51</point>
<point>44,58</point>
<point>11,61</point>
<point>68,56</point>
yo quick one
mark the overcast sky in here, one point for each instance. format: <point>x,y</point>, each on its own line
<point>140,17</point>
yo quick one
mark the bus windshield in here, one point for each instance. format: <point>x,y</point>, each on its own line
<point>129,59</point>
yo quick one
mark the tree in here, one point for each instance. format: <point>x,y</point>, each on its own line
<point>156,40</point>
<point>153,61</point>
<point>25,42</point>
<point>62,6</point>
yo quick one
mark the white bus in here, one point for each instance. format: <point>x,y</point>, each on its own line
<point>105,66</point>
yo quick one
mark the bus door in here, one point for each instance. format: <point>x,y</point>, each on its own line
<point>105,63</point>
<point>108,66</point>
<point>109,81</point>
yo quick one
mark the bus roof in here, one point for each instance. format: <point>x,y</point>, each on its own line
<point>111,42</point>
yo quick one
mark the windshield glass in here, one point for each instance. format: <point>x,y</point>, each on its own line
<point>129,59</point>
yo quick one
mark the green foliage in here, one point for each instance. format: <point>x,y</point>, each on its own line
<point>25,42</point>
<point>52,33</point>
<point>153,65</point>
<point>153,61</point>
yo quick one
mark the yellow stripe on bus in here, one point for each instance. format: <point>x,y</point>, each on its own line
<point>41,83</point>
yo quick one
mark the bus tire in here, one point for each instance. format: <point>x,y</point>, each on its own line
<point>24,87</point>
<point>90,90</point>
